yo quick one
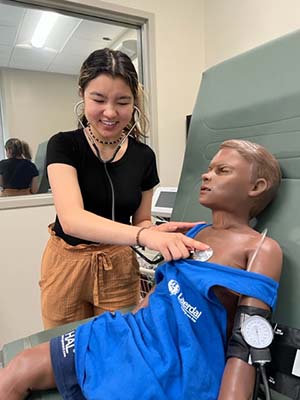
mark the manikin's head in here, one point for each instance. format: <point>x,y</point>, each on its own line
<point>264,165</point>
<point>242,174</point>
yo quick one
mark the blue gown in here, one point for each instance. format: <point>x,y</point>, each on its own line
<point>172,349</point>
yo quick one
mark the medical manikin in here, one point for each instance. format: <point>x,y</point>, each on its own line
<point>188,339</point>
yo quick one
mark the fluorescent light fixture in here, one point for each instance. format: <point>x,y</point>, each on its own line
<point>43,28</point>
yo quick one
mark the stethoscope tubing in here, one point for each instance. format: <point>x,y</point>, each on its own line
<point>110,160</point>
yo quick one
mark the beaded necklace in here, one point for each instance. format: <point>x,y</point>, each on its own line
<point>105,141</point>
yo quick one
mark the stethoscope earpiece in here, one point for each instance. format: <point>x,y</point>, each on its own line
<point>136,113</point>
<point>136,117</point>
<point>76,107</point>
<point>79,103</point>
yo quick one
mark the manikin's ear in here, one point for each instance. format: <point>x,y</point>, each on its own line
<point>260,186</point>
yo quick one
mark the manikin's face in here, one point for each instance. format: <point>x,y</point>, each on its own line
<point>227,182</point>
<point>108,105</point>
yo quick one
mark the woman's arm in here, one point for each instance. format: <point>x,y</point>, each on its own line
<point>80,223</point>
<point>239,377</point>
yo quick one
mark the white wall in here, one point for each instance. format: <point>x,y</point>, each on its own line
<point>235,26</point>
<point>23,235</point>
<point>37,104</point>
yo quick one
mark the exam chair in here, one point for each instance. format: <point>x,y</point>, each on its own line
<point>254,96</point>
<point>40,162</point>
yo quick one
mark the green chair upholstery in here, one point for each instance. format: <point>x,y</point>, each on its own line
<point>254,96</point>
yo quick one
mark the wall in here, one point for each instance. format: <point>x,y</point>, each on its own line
<point>23,235</point>
<point>234,26</point>
<point>31,98</point>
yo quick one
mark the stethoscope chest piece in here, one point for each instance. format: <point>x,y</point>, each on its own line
<point>203,255</point>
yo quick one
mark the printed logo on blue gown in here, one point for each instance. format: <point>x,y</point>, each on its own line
<point>174,287</point>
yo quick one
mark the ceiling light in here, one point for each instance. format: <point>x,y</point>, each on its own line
<point>43,28</point>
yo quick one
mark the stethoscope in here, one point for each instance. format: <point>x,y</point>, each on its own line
<point>200,255</point>
<point>136,117</point>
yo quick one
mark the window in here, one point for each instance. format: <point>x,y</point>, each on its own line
<point>2,140</point>
<point>40,84</point>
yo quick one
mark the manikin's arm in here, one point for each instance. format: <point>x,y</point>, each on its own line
<point>81,223</point>
<point>239,377</point>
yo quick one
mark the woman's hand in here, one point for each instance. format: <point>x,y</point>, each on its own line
<point>172,246</point>
<point>175,226</point>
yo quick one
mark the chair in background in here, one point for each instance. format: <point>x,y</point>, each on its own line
<point>40,162</point>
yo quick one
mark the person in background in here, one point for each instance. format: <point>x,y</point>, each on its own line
<point>102,177</point>
<point>18,175</point>
<point>180,333</point>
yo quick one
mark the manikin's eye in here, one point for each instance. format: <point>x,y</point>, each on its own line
<point>223,170</point>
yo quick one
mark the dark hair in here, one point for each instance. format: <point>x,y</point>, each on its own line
<point>26,150</point>
<point>265,165</point>
<point>14,146</point>
<point>116,64</point>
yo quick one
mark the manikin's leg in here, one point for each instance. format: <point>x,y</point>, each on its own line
<point>29,370</point>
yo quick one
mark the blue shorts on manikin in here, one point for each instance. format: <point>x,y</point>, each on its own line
<point>175,347</point>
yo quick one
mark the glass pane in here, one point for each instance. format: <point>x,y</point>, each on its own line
<point>38,86</point>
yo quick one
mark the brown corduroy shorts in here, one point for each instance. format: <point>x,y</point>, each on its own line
<point>80,281</point>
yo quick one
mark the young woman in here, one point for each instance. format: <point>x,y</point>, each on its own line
<point>18,175</point>
<point>102,177</point>
<point>177,336</point>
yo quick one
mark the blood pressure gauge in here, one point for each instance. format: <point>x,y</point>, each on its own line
<point>257,331</point>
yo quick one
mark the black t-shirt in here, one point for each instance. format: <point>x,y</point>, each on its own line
<point>17,173</point>
<point>134,173</point>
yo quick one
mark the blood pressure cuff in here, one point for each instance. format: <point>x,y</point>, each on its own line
<point>284,370</point>
<point>237,347</point>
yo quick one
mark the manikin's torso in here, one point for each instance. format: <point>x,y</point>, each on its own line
<point>233,247</point>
